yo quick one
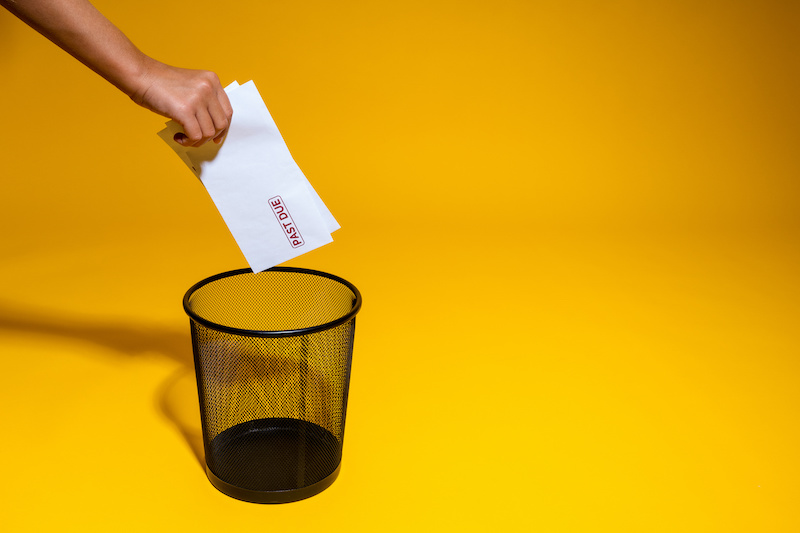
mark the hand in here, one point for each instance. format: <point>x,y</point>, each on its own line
<point>193,98</point>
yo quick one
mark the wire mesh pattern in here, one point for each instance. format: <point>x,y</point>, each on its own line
<point>276,301</point>
<point>273,404</point>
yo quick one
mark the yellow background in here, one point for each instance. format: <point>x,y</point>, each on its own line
<point>574,224</point>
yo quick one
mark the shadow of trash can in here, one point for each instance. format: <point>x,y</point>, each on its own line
<point>272,352</point>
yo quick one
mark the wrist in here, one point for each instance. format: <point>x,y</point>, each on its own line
<point>137,76</point>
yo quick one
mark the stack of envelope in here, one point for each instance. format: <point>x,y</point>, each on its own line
<point>270,208</point>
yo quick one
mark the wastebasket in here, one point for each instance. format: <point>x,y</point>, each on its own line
<point>272,354</point>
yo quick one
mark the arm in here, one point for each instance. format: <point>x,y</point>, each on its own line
<point>194,98</point>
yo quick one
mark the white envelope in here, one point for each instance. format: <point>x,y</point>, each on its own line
<point>265,200</point>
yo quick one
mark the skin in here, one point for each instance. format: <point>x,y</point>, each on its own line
<point>193,98</point>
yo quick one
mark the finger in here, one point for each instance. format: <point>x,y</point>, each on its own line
<point>225,102</point>
<point>218,139</point>
<point>192,132</point>
<point>220,119</point>
<point>207,128</point>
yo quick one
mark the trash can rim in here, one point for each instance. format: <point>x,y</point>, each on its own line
<point>268,333</point>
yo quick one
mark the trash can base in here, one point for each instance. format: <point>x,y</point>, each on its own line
<point>273,460</point>
<point>275,496</point>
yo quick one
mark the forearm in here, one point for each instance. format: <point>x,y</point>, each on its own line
<point>194,98</point>
<point>78,28</point>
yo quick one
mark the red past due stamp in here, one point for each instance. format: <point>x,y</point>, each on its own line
<point>285,220</point>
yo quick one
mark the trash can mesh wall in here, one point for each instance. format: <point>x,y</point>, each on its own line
<point>273,407</point>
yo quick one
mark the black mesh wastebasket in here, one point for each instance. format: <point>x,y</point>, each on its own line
<point>272,354</point>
